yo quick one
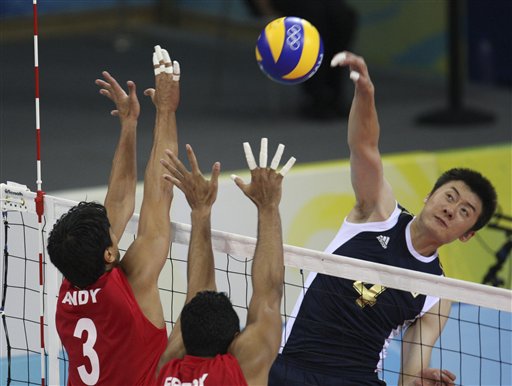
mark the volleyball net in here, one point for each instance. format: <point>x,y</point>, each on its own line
<point>475,343</point>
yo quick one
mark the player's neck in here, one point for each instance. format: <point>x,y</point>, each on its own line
<point>421,241</point>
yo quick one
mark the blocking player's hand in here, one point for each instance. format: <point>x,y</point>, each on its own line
<point>127,105</point>
<point>265,186</point>
<point>199,192</point>
<point>166,94</point>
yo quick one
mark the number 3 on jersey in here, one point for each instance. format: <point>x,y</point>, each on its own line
<point>87,325</point>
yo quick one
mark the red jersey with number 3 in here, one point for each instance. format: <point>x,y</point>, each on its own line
<point>109,341</point>
<point>222,370</point>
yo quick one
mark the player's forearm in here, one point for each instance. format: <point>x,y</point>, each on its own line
<point>416,353</point>
<point>164,137</point>
<point>158,193</point>
<point>201,266</point>
<point>363,124</point>
<point>268,265</point>
<point>120,198</point>
<point>405,381</point>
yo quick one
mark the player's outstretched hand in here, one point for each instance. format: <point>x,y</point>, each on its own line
<point>358,69</point>
<point>265,186</point>
<point>435,377</point>
<point>200,192</point>
<point>127,105</point>
<point>166,94</point>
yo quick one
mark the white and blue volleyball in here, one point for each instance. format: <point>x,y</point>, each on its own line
<point>289,50</point>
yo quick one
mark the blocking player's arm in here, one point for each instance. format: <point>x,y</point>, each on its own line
<point>417,345</point>
<point>374,196</point>
<point>147,254</point>
<point>257,346</point>
<point>201,195</point>
<point>120,198</point>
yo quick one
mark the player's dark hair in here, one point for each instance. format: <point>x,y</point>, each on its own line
<point>479,185</point>
<point>209,324</point>
<point>77,243</point>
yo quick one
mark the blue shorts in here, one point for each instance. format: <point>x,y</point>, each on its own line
<point>285,372</point>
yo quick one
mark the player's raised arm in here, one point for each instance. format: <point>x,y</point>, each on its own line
<point>374,196</point>
<point>120,198</point>
<point>146,256</point>
<point>257,346</point>
<point>201,195</point>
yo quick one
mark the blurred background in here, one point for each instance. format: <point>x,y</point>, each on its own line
<point>442,71</point>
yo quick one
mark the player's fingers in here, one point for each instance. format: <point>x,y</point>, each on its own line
<point>277,157</point>
<point>109,78</point>
<point>114,113</point>
<point>112,83</point>
<point>166,164</point>
<point>171,168</point>
<point>132,90</point>
<point>131,86</point>
<point>192,159</point>
<point>238,181</point>
<point>150,92</point>
<point>215,174</point>
<point>447,377</point>
<point>286,168</point>
<point>176,74</point>
<point>160,58</point>
<point>355,62</point>
<point>159,54</point>
<point>167,62</point>
<point>354,75</point>
<point>173,180</point>
<point>106,93</point>
<point>251,162</point>
<point>156,64</point>
<point>178,165</point>
<point>338,59</point>
<point>102,83</point>
<point>263,152</point>
<point>449,374</point>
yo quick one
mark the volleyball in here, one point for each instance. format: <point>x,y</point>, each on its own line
<point>289,50</point>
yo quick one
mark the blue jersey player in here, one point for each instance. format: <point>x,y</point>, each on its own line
<point>339,329</point>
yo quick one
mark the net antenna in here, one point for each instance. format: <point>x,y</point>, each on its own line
<point>39,196</point>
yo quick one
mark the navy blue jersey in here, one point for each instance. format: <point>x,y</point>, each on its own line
<point>344,326</point>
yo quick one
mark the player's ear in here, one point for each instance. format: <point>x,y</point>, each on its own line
<point>109,256</point>
<point>466,236</point>
<point>426,198</point>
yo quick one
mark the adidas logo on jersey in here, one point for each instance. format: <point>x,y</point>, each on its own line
<point>383,240</point>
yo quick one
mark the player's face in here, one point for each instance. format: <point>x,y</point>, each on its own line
<point>451,211</point>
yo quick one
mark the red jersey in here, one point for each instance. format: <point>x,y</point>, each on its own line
<point>109,341</point>
<point>222,370</point>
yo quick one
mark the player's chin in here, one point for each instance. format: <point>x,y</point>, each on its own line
<point>441,231</point>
